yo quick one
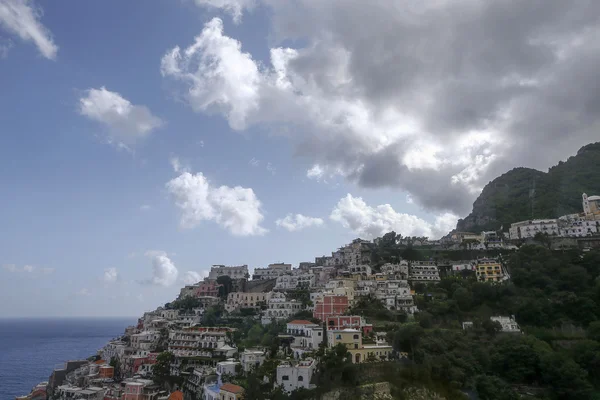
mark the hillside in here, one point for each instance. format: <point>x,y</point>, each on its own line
<point>524,193</point>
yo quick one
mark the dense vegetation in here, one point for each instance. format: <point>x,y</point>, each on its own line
<point>511,197</point>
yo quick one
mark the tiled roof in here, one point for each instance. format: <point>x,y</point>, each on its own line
<point>301,322</point>
<point>177,395</point>
<point>231,388</point>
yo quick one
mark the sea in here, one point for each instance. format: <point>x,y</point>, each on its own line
<point>31,348</point>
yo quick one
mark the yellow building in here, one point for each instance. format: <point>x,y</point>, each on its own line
<point>352,339</point>
<point>489,270</point>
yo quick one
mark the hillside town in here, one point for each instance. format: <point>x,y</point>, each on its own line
<point>278,324</point>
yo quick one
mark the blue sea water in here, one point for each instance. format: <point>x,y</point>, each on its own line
<point>31,348</point>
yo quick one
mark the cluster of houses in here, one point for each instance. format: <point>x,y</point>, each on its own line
<point>582,224</point>
<point>207,356</point>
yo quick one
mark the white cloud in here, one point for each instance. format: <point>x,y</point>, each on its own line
<point>178,165</point>
<point>217,76</point>
<point>29,269</point>
<point>5,46</point>
<point>384,112</point>
<point>369,222</point>
<point>83,292</point>
<point>192,277</point>
<point>298,222</point>
<point>10,267</point>
<point>271,168</point>
<point>22,18</point>
<point>164,272</point>
<point>111,275</point>
<point>126,122</point>
<point>145,207</point>
<point>236,209</point>
<point>233,7</point>
<point>254,162</point>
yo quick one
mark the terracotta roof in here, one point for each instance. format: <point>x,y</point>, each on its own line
<point>231,388</point>
<point>301,321</point>
<point>177,395</point>
<point>99,362</point>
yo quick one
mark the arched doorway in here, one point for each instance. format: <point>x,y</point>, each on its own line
<point>357,358</point>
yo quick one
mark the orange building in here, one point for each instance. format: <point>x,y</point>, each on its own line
<point>106,371</point>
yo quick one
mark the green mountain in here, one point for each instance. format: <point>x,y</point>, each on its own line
<point>525,193</point>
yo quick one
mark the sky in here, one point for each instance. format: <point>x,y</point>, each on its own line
<point>142,142</point>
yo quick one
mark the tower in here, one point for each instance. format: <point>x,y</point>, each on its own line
<point>586,205</point>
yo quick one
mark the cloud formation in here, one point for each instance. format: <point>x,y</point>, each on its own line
<point>419,101</point>
<point>126,122</point>
<point>164,272</point>
<point>233,7</point>
<point>29,269</point>
<point>236,209</point>
<point>22,18</point>
<point>193,277</point>
<point>298,222</point>
<point>111,275</point>
<point>370,222</point>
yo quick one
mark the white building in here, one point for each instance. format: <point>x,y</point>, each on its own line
<point>169,314</point>
<point>292,282</point>
<point>227,367</point>
<point>236,300</point>
<point>279,307</point>
<point>307,336</point>
<point>296,374</point>
<point>575,225</point>
<point>236,272</point>
<point>251,359</point>
<point>365,287</point>
<point>508,324</point>
<point>399,270</point>
<point>272,271</point>
<point>528,229</point>
<point>424,272</point>
<point>199,342</point>
<point>144,339</point>
<point>395,294</point>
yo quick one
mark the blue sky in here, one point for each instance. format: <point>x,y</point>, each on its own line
<point>128,163</point>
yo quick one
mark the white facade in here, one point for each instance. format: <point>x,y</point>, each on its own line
<point>237,272</point>
<point>227,367</point>
<point>138,339</point>
<point>279,307</point>
<point>508,324</point>
<point>424,272</point>
<point>296,374</point>
<point>272,271</point>
<point>291,282</point>
<point>576,226</point>
<point>528,229</point>
<point>395,294</point>
<point>399,270</point>
<point>195,343</point>
<point>252,359</point>
<point>307,336</point>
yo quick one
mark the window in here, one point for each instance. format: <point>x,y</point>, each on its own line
<point>300,378</point>
<point>355,337</point>
<point>285,378</point>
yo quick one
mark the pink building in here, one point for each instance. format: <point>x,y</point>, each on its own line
<point>330,305</point>
<point>340,322</point>
<point>133,391</point>
<point>207,287</point>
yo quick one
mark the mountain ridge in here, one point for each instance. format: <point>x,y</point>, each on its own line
<point>526,193</point>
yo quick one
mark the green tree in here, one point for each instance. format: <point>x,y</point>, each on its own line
<point>225,286</point>
<point>116,364</point>
<point>494,388</point>
<point>567,379</point>
<point>161,371</point>
<point>593,331</point>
